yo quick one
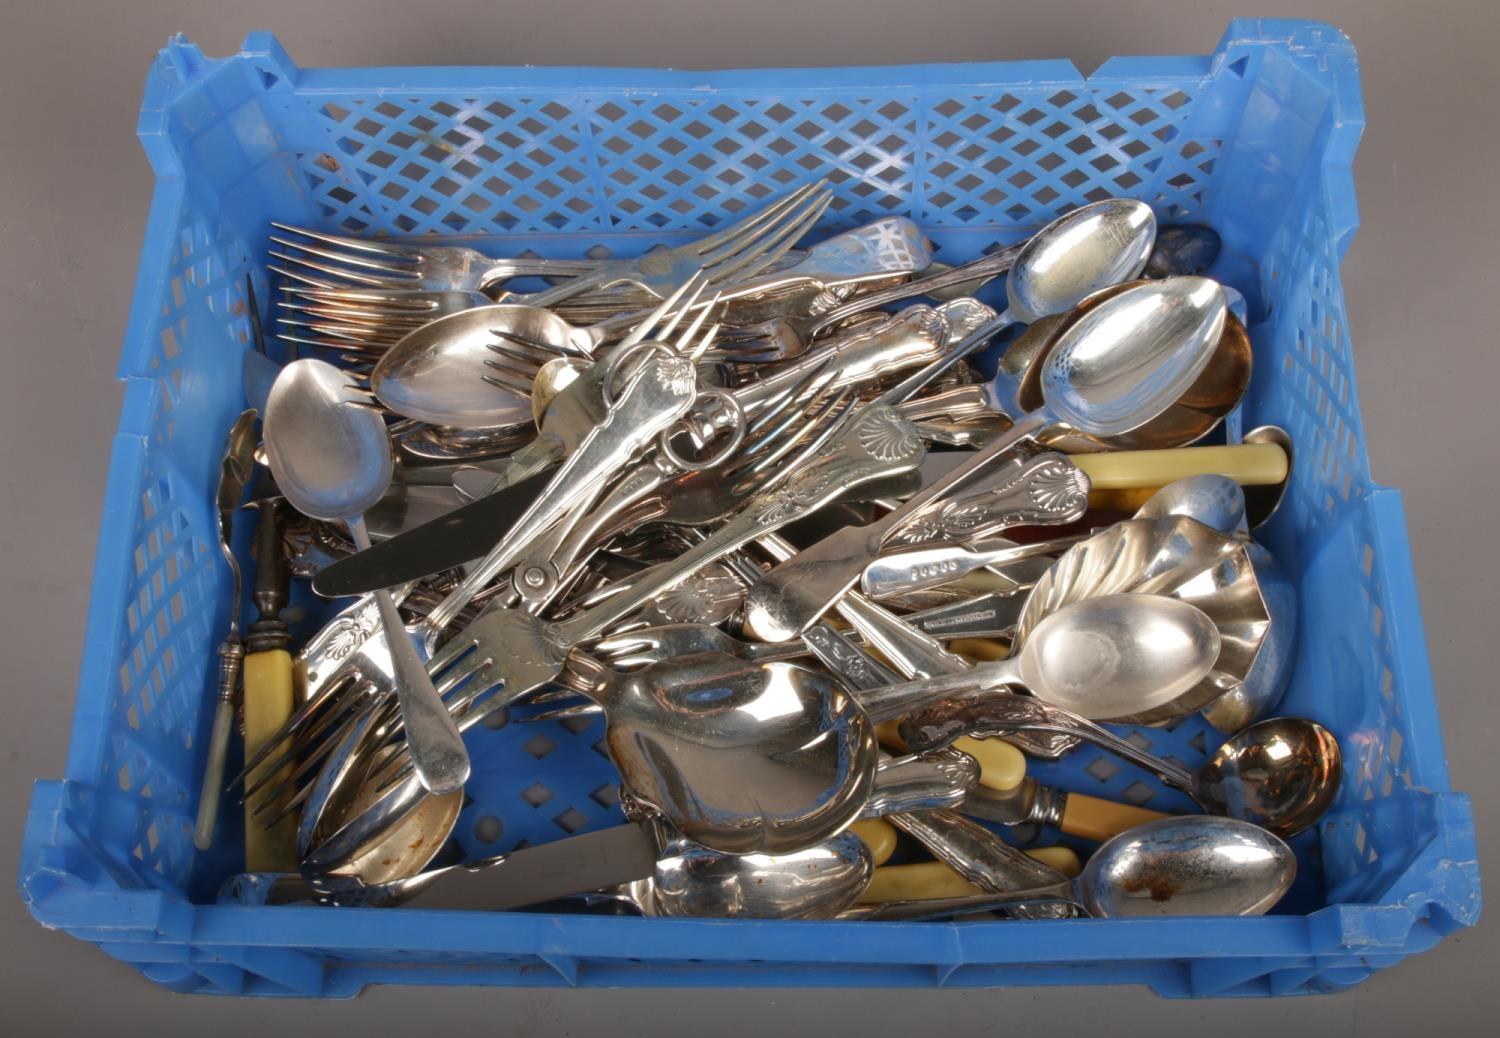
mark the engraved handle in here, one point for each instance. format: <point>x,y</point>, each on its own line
<point>983,858</point>
<point>910,338</point>
<point>790,597</point>
<point>915,783</point>
<point>923,568</point>
<point>1046,490</point>
<point>980,270</point>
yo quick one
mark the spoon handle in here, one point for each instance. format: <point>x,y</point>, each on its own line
<point>437,749</point>
<point>912,384</point>
<point>922,568</point>
<point>1046,490</point>
<point>982,858</point>
<point>915,783</point>
<point>981,270</point>
<point>913,653</point>
<point>987,716</point>
<point>893,701</point>
<point>792,595</point>
<point>941,907</point>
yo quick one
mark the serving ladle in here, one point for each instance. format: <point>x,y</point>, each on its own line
<point>1280,774</point>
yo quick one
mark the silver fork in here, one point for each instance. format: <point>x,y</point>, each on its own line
<point>363,319</point>
<point>740,250</point>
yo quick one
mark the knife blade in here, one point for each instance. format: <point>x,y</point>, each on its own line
<point>464,534</point>
<point>589,861</point>
<point>531,876</point>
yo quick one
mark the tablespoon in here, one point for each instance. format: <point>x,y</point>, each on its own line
<point>1074,256</point>
<point>332,460</point>
<point>1124,362</point>
<point>1190,866</point>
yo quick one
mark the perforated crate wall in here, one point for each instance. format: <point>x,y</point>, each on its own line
<point>1256,139</point>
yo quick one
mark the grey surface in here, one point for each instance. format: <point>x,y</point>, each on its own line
<point>74,189</point>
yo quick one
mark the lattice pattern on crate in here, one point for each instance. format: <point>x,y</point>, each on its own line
<point>1024,158</point>
<point>1316,380</point>
<point>201,286</point>
<point>158,688</point>
<point>453,166</point>
<point>678,161</point>
<point>480,165</point>
<point>536,782</point>
<point>177,585</point>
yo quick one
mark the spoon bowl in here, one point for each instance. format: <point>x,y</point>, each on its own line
<point>1282,774</point>
<point>747,758</point>
<point>1211,396</point>
<point>1129,358</point>
<point>331,455</point>
<point>818,882</point>
<point>1079,253</point>
<point>1118,654</point>
<point>1263,502</point>
<point>1215,501</point>
<point>436,373</point>
<point>1211,867</point>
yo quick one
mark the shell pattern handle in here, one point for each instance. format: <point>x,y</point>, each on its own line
<point>1045,490</point>
<point>914,783</point>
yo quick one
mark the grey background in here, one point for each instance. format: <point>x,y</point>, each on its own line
<point>74,189</point>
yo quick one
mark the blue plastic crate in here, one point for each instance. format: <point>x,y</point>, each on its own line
<point>1256,139</point>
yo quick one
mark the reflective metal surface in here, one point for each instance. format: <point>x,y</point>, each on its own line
<point>332,460</point>
<point>1173,556</point>
<point>766,757</point>
<point>1176,867</point>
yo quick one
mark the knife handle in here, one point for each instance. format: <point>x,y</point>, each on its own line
<point>1096,819</point>
<point>878,835</point>
<point>268,704</point>
<point>929,879</point>
<point>1248,464</point>
<point>231,655</point>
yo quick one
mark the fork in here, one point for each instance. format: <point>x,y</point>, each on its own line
<point>740,250</point>
<point>338,318</point>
